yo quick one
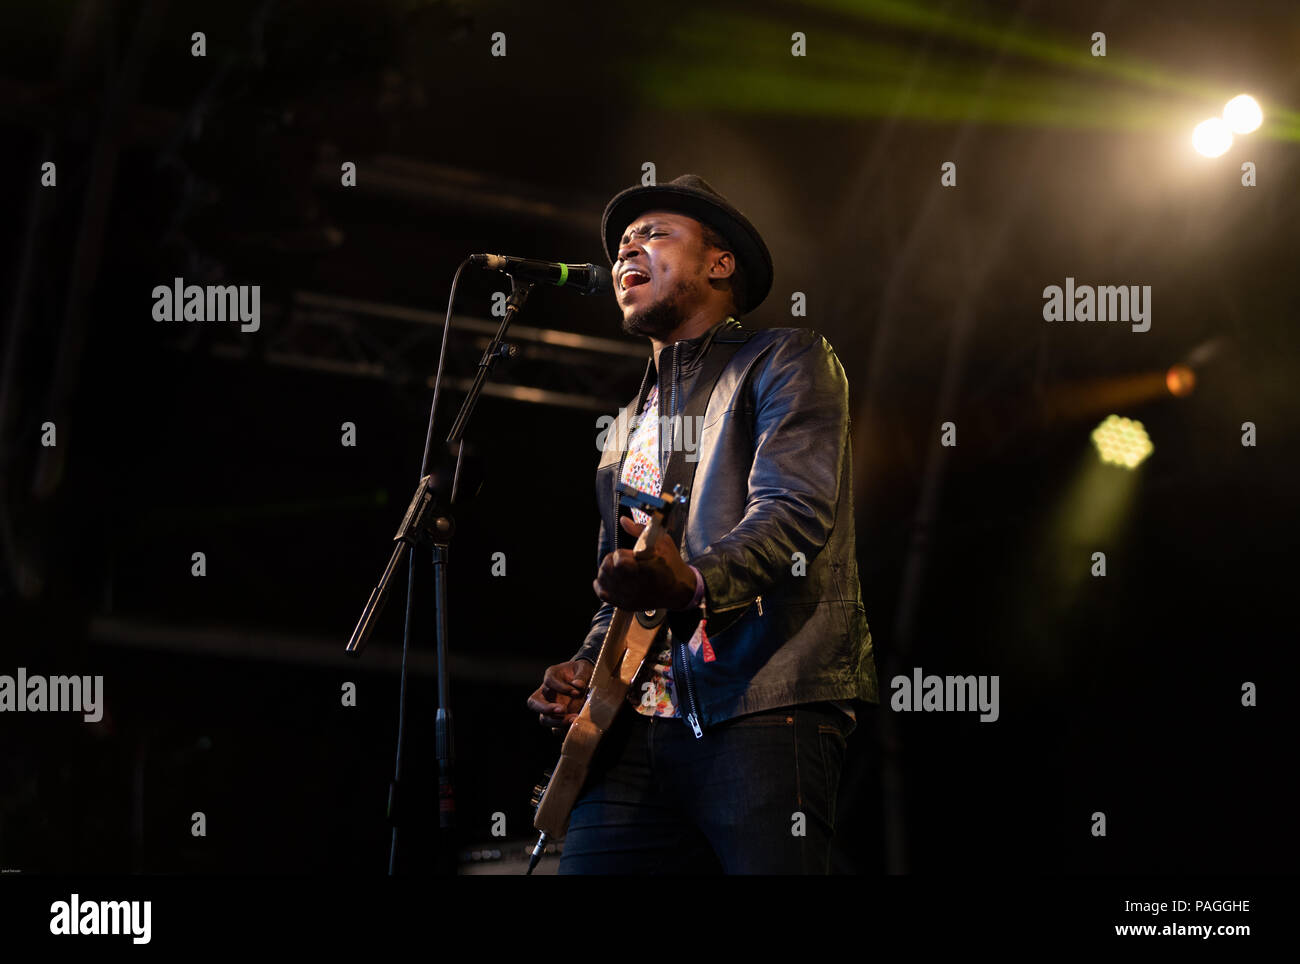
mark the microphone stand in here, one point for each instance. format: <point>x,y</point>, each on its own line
<point>428,521</point>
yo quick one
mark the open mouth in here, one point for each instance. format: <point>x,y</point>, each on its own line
<point>631,278</point>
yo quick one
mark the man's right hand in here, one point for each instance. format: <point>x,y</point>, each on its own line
<point>559,699</point>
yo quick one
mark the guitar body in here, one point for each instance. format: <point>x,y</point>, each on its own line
<point>627,643</point>
<point>625,648</point>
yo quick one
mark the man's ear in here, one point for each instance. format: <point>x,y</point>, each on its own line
<point>724,265</point>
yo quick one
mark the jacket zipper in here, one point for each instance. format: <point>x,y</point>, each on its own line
<point>672,406</point>
<point>682,667</point>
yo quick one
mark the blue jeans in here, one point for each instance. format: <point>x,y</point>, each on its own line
<point>755,795</point>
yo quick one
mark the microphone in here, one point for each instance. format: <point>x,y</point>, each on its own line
<point>586,279</point>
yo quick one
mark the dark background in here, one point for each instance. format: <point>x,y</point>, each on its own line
<point>1119,694</point>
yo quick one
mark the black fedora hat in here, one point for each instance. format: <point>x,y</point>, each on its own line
<point>693,196</point>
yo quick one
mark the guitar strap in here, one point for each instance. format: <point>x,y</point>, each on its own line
<point>680,470</point>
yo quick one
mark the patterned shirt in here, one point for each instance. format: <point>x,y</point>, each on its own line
<point>652,691</point>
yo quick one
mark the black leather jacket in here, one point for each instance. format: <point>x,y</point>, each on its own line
<point>773,479</point>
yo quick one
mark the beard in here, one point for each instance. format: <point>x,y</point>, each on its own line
<point>660,319</point>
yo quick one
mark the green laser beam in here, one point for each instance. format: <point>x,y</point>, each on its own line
<point>1037,46</point>
<point>729,61</point>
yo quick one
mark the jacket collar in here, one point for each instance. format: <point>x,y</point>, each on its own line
<point>691,351</point>
<point>691,354</point>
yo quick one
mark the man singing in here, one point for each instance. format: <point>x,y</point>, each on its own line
<point>729,756</point>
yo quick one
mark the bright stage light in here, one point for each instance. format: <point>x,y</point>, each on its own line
<point>1211,137</point>
<point>1180,380</point>
<point>1122,441</point>
<point>1242,114</point>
